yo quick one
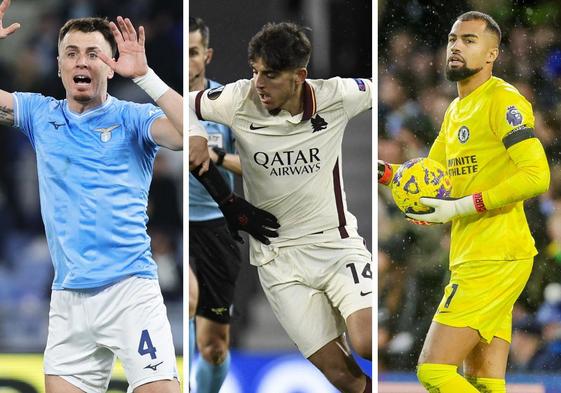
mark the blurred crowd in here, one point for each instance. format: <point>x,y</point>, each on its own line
<point>28,63</point>
<point>413,96</point>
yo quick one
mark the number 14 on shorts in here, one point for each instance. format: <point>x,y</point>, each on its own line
<point>365,273</point>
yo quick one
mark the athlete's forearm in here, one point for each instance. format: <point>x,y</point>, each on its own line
<point>6,99</point>
<point>232,163</point>
<point>171,102</point>
<point>531,179</point>
<point>214,183</point>
<point>6,109</point>
<point>167,99</point>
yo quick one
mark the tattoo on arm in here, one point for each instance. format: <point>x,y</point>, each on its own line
<point>6,116</point>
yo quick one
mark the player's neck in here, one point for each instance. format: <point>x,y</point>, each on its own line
<point>81,107</point>
<point>468,85</point>
<point>295,104</point>
<point>199,84</point>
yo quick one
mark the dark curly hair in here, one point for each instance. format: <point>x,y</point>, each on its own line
<point>281,46</point>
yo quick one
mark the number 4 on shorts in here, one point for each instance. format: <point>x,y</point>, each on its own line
<point>145,346</point>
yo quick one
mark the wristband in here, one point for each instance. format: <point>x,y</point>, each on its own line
<point>387,175</point>
<point>478,202</point>
<point>221,153</point>
<point>151,84</point>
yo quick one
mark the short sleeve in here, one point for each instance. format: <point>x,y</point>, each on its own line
<point>26,106</point>
<point>219,104</point>
<point>145,115</point>
<point>357,95</point>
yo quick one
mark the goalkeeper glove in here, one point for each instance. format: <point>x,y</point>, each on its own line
<point>243,216</point>
<point>445,210</point>
<point>239,213</point>
<point>385,173</point>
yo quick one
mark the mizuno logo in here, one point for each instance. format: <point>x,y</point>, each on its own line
<point>56,125</point>
<point>252,127</point>
<point>153,367</point>
<point>365,293</point>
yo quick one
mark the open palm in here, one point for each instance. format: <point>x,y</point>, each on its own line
<point>6,31</point>
<point>132,55</point>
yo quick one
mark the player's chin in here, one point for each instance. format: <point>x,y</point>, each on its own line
<point>270,106</point>
<point>82,97</point>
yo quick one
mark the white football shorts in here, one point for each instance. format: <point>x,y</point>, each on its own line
<point>314,288</point>
<point>89,328</point>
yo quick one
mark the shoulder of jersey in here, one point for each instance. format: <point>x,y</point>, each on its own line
<point>242,85</point>
<point>240,88</point>
<point>502,88</point>
<point>326,90</point>
<point>324,86</point>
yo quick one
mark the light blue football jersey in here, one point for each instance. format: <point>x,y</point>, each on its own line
<point>201,205</point>
<point>94,170</point>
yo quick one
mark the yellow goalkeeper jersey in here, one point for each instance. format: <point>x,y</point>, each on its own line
<point>487,144</point>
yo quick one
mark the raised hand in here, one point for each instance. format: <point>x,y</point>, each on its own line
<point>6,31</point>
<point>132,61</point>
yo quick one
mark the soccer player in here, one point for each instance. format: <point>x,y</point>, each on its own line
<point>213,252</point>
<point>289,129</point>
<point>495,162</point>
<point>95,155</point>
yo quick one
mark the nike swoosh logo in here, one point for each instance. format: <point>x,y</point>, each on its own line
<point>252,127</point>
<point>365,293</point>
<point>154,366</point>
<point>443,312</point>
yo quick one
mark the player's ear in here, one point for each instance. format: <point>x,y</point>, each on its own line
<point>111,73</point>
<point>209,54</point>
<point>492,55</point>
<point>301,75</point>
<point>58,66</point>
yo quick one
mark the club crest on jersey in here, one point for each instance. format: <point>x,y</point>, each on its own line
<point>318,123</point>
<point>513,116</point>
<point>213,94</point>
<point>463,134</point>
<point>106,132</point>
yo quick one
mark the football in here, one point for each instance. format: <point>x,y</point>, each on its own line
<point>416,178</point>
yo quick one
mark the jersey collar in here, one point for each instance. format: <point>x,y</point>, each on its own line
<point>309,97</point>
<point>105,104</point>
<point>309,104</point>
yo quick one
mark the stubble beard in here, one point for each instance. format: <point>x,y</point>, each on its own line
<point>460,73</point>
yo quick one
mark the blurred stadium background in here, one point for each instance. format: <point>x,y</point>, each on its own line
<point>28,63</point>
<point>413,260</point>
<point>263,357</point>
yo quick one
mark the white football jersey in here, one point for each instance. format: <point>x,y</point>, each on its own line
<point>292,164</point>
